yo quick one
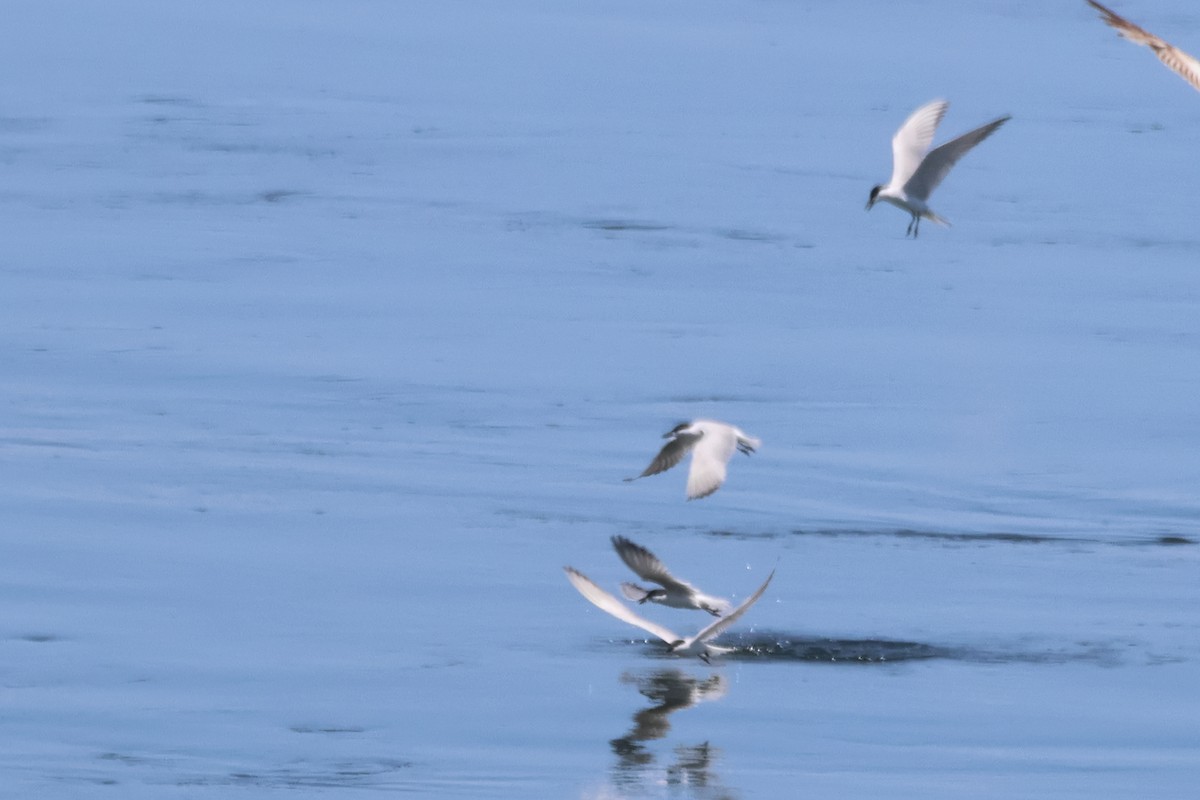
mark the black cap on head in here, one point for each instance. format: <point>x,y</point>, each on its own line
<point>875,190</point>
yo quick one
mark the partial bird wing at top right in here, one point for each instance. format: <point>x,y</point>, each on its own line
<point>941,159</point>
<point>1186,66</point>
<point>912,140</point>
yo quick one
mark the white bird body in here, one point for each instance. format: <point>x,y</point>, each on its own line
<point>711,444</point>
<point>698,645</point>
<point>917,170</point>
<point>674,592</point>
<point>1184,65</point>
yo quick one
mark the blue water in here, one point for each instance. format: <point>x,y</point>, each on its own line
<point>331,332</point>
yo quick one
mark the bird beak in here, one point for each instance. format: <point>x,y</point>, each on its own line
<point>870,203</point>
<point>669,435</point>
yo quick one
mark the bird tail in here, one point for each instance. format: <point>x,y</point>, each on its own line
<point>634,592</point>
<point>748,444</point>
<point>932,217</point>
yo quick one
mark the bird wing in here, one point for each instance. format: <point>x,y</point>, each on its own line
<point>1183,64</point>
<point>671,454</point>
<point>721,623</point>
<point>912,140</point>
<point>646,565</point>
<point>606,602</point>
<point>942,158</point>
<point>634,592</point>
<point>709,459</point>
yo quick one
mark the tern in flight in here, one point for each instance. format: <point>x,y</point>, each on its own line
<point>917,170</point>
<point>711,444</point>
<point>1186,66</point>
<point>674,592</point>
<point>696,645</point>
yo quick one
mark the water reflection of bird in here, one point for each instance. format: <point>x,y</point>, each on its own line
<point>695,645</point>
<point>672,690</point>
<point>674,592</point>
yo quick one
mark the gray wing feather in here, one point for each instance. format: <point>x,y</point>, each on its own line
<point>941,159</point>
<point>671,454</point>
<point>646,565</point>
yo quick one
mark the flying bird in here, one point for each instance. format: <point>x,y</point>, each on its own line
<point>711,444</point>
<point>1178,61</point>
<point>674,592</point>
<point>917,170</point>
<point>695,645</point>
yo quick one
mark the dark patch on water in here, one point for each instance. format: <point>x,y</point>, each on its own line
<point>767,645</point>
<point>350,773</point>
<point>632,225</point>
<point>331,730</point>
<point>716,398</point>
<point>278,195</point>
<point>945,536</point>
<point>30,441</point>
<point>122,758</point>
<point>784,647</point>
<point>727,534</point>
<point>12,125</point>
<point>39,638</point>
<point>743,235</point>
<point>374,774</point>
<point>953,537</point>
<point>169,100</point>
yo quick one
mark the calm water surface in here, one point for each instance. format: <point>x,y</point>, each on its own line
<point>329,346</point>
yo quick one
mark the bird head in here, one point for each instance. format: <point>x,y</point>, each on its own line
<point>678,429</point>
<point>874,195</point>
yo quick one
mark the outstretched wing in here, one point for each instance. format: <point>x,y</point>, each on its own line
<point>606,602</point>
<point>715,628</point>
<point>941,159</point>
<point>671,454</point>
<point>912,141</point>
<point>1186,66</point>
<point>646,565</point>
